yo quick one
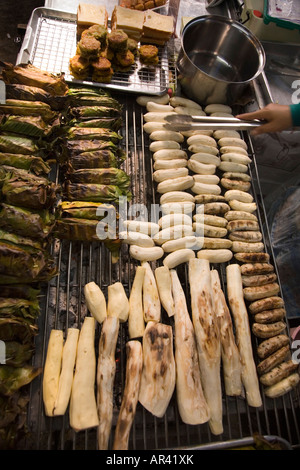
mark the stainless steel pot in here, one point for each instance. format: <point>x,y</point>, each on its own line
<point>218,58</point>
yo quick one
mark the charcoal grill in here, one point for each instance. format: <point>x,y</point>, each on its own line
<point>63,306</point>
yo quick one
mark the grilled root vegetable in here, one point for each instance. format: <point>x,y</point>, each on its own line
<point>207,338</point>
<point>151,301</point>
<point>134,365</point>
<point>243,334</point>
<point>117,302</point>
<point>232,366</point>
<point>106,370</point>
<point>83,408</point>
<point>158,375</point>
<point>164,285</point>
<point>136,324</point>
<point>52,370</point>
<point>282,387</point>
<point>191,402</point>
<point>95,301</point>
<point>67,372</point>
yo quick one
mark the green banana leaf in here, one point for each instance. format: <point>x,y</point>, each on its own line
<point>17,354</point>
<point>20,291</point>
<point>46,274</point>
<point>29,194</point>
<point>30,163</point>
<point>30,126</point>
<point>28,74</point>
<point>94,135</point>
<point>94,192</point>
<point>17,329</point>
<point>97,159</point>
<point>19,308</point>
<point>20,260</point>
<point>33,224</point>
<point>19,240</point>
<point>13,143</point>
<point>95,111</point>
<point>87,230</point>
<point>13,378</point>
<point>85,210</point>
<point>112,123</point>
<point>76,146</point>
<point>109,176</point>
<point>17,91</point>
<point>28,108</point>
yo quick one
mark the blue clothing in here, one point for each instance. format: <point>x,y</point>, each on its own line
<point>295,110</point>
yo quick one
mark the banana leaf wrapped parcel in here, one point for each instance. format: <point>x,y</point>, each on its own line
<point>13,378</point>
<point>94,192</point>
<point>95,136</point>
<point>19,308</point>
<point>91,97</point>
<point>89,230</point>
<point>17,354</point>
<point>21,260</point>
<point>112,123</point>
<point>28,74</point>
<point>30,126</point>
<point>86,210</point>
<point>20,188</point>
<point>109,176</point>
<point>16,91</point>
<point>26,222</point>
<point>97,159</point>
<point>29,108</point>
<point>17,144</point>
<point>96,111</point>
<point>30,163</point>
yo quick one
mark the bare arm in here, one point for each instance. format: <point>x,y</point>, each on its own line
<point>278,118</point>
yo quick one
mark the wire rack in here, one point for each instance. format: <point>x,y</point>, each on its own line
<point>63,306</point>
<point>51,40</point>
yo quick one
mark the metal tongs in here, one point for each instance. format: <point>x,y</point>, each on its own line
<point>185,122</point>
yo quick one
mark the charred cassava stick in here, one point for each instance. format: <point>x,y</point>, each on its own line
<point>243,334</point>
<point>127,412</point>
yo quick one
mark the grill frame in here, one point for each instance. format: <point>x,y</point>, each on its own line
<point>62,305</point>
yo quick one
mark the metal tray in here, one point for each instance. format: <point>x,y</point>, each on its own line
<point>50,42</point>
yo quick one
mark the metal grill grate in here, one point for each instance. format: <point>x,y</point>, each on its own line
<point>54,43</point>
<point>63,306</point>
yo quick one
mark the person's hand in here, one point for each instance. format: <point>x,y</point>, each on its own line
<point>277,116</point>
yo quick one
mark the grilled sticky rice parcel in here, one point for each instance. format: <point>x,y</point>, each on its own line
<point>117,40</point>
<point>148,54</point>
<point>97,31</point>
<point>102,70</point>
<point>79,67</point>
<point>89,48</point>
